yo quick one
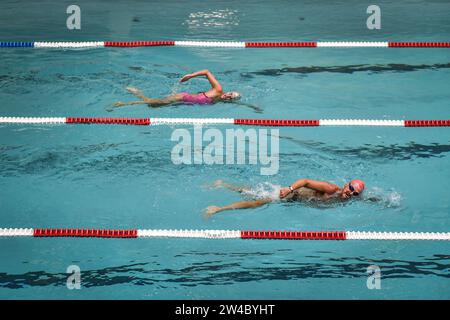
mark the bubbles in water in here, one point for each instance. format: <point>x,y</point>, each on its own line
<point>212,19</point>
<point>263,191</point>
<point>389,198</point>
<point>175,88</point>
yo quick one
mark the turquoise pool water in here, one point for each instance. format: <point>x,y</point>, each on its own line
<point>123,176</point>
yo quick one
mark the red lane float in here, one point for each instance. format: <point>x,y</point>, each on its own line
<point>126,121</point>
<point>96,233</point>
<point>223,44</point>
<point>419,44</point>
<point>226,121</point>
<point>295,235</point>
<point>138,43</point>
<point>277,123</point>
<point>427,123</point>
<point>280,44</point>
<point>222,234</point>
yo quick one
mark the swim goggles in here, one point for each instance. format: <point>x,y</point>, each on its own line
<point>355,193</point>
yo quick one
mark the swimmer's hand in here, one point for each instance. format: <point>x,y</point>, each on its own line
<point>284,192</point>
<point>186,78</point>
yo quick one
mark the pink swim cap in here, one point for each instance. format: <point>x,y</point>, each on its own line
<point>358,185</point>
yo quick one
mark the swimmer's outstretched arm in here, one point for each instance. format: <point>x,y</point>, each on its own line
<point>320,186</point>
<point>211,210</point>
<point>212,80</point>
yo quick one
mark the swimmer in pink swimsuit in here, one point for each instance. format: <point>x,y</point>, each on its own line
<point>215,94</point>
<point>200,98</point>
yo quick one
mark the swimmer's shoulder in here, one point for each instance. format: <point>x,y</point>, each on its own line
<point>335,188</point>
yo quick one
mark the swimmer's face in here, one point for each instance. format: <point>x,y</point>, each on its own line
<point>229,96</point>
<point>352,189</point>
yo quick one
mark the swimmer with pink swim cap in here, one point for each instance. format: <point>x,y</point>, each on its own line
<point>306,190</point>
<point>353,188</point>
<point>212,96</point>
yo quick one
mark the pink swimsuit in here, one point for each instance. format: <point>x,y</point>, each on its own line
<point>200,98</point>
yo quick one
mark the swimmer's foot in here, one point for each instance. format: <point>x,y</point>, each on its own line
<point>119,104</point>
<point>221,184</point>
<point>215,185</point>
<point>138,93</point>
<point>210,211</point>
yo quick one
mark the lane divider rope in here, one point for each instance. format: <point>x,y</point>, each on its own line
<point>224,44</point>
<point>232,121</point>
<point>221,234</point>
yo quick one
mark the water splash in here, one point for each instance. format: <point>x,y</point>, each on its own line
<point>263,191</point>
<point>387,198</point>
<point>176,88</point>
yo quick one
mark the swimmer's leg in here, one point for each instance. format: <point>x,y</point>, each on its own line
<point>155,103</point>
<point>138,93</point>
<point>121,104</point>
<point>211,210</point>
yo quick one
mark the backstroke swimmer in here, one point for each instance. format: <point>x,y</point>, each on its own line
<point>300,190</point>
<point>212,96</point>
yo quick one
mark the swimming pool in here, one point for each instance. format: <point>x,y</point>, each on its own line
<point>123,177</point>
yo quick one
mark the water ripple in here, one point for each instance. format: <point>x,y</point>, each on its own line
<point>229,271</point>
<point>349,69</point>
<point>408,151</point>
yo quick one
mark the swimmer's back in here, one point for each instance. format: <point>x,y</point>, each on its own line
<point>308,195</point>
<point>200,98</point>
